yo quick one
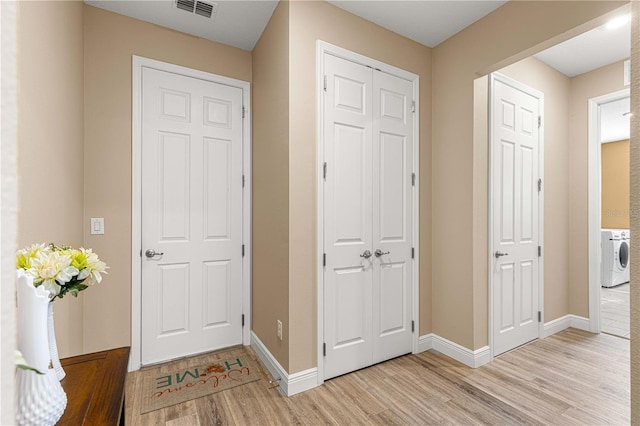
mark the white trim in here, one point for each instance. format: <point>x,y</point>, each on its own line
<point>473,359</point>
<point>562,323</point>
<point>581,323</point>
<point>319,213</point>
<point>595,204</point>
<point>323,48</point>
<point>8,204</point>
<point>425,342</point>
<point>468,357</point>
<point>556,326</point>
<point>493,77</point>
<point>289,384</point>
<point>136,194</point>
<point>626,79</point>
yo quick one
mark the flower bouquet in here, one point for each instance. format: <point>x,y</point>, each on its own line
<point>61,269</point>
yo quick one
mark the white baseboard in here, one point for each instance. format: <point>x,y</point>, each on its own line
<point>581,323</point>
<point>289,384</point>
<point>556,325</point>
<point>425,342</point>
<point>564,322</point>
<point>482,356</point>
<point>453,350</point>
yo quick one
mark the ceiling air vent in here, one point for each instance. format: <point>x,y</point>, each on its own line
<point>198,7</point>
<point>185,5</point>
<point>204,9</point>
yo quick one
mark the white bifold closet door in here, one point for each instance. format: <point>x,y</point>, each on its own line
<point>368,140</point>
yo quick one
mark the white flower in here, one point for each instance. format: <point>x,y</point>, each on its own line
<point>61,269</point>
<point>24,256</point>
<point>90,266</point>
<point>51,269</point>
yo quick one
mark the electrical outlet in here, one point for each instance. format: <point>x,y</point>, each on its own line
<point>279,329</point>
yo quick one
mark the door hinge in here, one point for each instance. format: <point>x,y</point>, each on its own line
<point>324,259</point>
<point>140,252</point>
<point>243,320</point>
<point>244,112</point>
<point>243,181</point>
<point>413,252</point>
<point>324,170</point>
<point>413,179</point>
<point>539,185</point>
<point>324,349</point>
<point>413,106</point>
<point>324,85</point>
<point>539,121</point>
<point>539,316</point>
<point>413,326</point>
<point>539,251</point>
<point>243,250</point>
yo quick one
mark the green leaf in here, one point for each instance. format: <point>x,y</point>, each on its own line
<point>27,368</point>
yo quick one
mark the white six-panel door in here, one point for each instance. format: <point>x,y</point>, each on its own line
<point>348,217</point>
<point>515,206</point>
<point>392,215</point>
<point>368,128</point>
<point>191,216</point>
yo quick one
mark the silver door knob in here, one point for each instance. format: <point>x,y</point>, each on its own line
<point>379,252</point>
<point>499,254</point>
<point>152,253</point>
<point>366,254</point>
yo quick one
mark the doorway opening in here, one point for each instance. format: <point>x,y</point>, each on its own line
<point>609,214</point>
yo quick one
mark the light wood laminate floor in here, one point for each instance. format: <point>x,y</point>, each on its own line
<point>615,311</point>
<point>571,378</point>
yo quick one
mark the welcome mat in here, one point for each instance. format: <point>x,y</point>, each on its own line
<point>160,390</point>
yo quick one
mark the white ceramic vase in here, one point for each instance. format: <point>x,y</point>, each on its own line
<point>40,399</point>
<point>53,347</point>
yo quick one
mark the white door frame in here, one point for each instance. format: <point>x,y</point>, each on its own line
<point>493,77</point>
<point>595,203</point>
<point>138,63</point>
<point>323,48</point>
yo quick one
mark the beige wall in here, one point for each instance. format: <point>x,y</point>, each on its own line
<point>270,290</point>
<point>109,42</point>
<point>513,32</point>
<point>103,188</point>
<point>583,87</point>
<point>50,145</point>
<point>615,185</point>
<point>309,22</point>
<point>480,203</point>
<point>556,87</point>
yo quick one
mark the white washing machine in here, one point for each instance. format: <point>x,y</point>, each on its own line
<point>615,257</point>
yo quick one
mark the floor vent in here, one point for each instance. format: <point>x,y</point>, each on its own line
<point>201,8</point>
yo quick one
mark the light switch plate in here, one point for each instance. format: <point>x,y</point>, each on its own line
<point>97,226</point>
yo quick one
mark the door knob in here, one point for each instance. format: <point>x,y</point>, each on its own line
<point>499,254</point>
<point>366,254</point>
<point>379,252</point>
<point>152,253</point>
